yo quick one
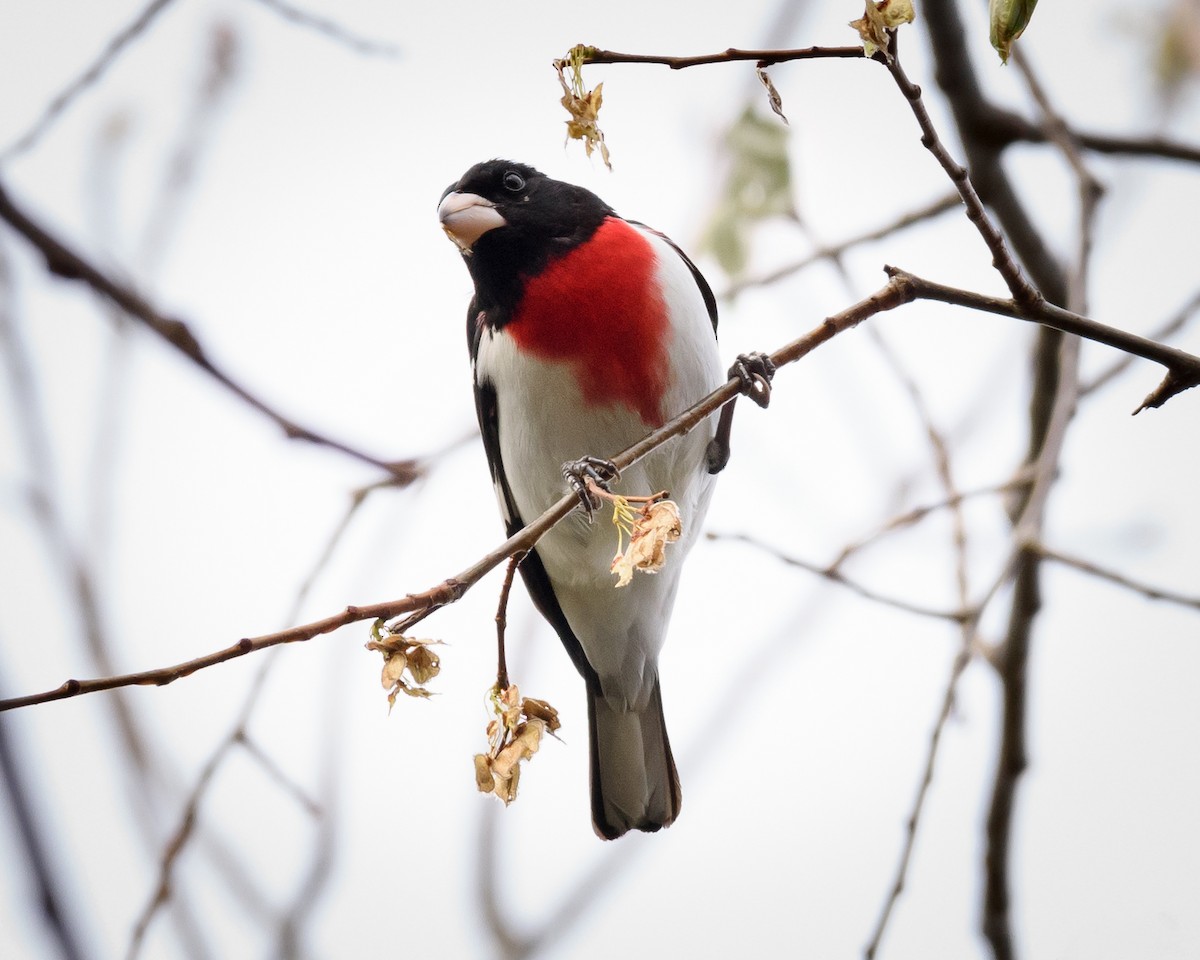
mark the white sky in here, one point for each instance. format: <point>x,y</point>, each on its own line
<point>308,260</point>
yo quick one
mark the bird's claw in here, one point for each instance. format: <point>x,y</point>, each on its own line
<point>755,371</point>
<point>577,473</point>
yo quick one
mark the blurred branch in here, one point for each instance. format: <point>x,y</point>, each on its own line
<point>66,263</point>
<point>834,251</point>
<point>332,30</point>
<point>1120,580</point>
<point>940,451</point>
<point>1154,148</point>
<point>39,867</point>
<point>834,575</point>
<point>238,735</point>
<point>93,73</point>
<point>917,514</point>
<point>79,581</point>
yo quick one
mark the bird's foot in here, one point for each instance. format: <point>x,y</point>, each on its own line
<point>578,474</point>
<point>755,371</point>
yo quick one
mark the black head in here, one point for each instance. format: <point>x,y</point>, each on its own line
<point>509,220</point>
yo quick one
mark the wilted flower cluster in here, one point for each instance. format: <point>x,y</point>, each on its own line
<point>514,734</point>
<point>649,529</point>
<point>408,664</point>
<point>582,104</point>
<point>878,18</point>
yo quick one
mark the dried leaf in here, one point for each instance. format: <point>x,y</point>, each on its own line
<point>408,664</point>
<point>582,104</point>
<point>541,710</point>
<point>658,526</point>
<point>511,740</point>
<point>773,97</point>
<point>506,787</point>
<point>393,670</point>
<point>423,664</point>
<point>483,773</point>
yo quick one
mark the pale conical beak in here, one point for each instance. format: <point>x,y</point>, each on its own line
<point>466,217</point>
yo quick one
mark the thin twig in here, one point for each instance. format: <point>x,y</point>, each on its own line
<point>917,514</point>
<point>1183,368</point>
<point>763,58</point>
<point>834,575</point>
<point>66,263</point>
<point>332,30</point>
<point>238,735</point>
<point>452,589</point>
<point>940,451</point>
<point>950,201</point>
<point>1023,292</point>
<point>902,288</point>
<point>116,44</point>
<point>502,620</point>
<point>1146,590</point>
<point>42,872</point>
<point>1164,332</point>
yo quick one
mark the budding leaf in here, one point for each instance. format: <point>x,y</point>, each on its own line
<point>758,185</point>
<point>1009,18</point>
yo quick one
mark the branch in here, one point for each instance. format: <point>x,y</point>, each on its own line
<point>833,574</point>
<point>452,589</point>
<point>834,251</point>
<point>902,288</point>
<point>93,73</point>
<point>66,263</point>
<point>1120,580</point>
<point>1183,369</point>
<point>1170,327</point>
<point>763,58</point>
<point>333,31</point>
<point>1014,278</point>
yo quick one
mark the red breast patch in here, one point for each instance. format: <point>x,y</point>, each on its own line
<point>599,308</point>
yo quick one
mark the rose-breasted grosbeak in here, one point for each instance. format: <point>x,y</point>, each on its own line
<point>586,331</point>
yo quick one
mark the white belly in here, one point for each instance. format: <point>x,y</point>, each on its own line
<point>545,421</point>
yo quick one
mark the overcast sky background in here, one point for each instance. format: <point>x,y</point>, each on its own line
<point>307,257</point>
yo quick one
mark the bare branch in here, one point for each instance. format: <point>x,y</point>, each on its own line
<point>93,73</point>
<point>1183,369</point>
<point>66,263</point>
<point>452,589</point>
<point>950,201</point>
<point>834,575</point>
<point>1014,278</point>
<point>1173,325</point>
<point>902,288</point>
<point>333,31</point>
<point>1120,580</point>
<point>763,58</point>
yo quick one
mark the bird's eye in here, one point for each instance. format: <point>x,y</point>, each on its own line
<point>513,182</point>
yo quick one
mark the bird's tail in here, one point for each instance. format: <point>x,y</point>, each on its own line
<point>634,781</point>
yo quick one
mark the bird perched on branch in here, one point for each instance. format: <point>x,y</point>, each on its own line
<point>586,332</point>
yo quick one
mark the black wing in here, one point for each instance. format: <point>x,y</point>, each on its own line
<point>710,301</point>
<point>537,581</point>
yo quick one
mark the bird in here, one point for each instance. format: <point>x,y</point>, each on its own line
<point>585,332</point>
